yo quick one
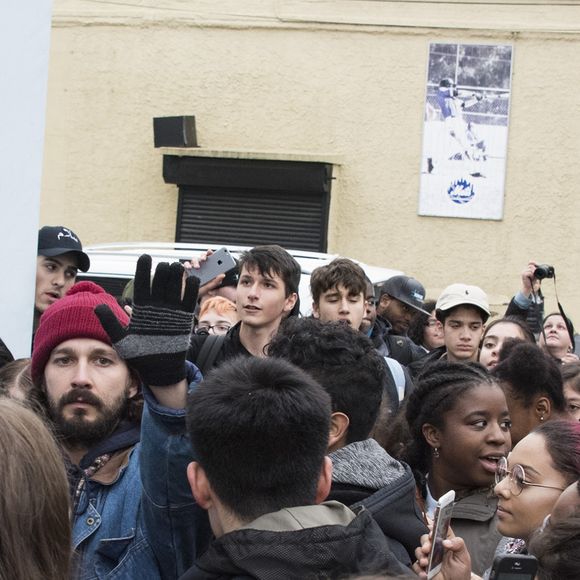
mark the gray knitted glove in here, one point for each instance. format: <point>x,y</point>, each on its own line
<point>156,341</point>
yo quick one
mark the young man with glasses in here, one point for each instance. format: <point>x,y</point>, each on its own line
<point>217,316</point>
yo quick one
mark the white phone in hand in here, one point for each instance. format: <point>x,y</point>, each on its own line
<point>440,528</point>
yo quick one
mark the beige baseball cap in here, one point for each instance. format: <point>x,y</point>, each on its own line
<point>462,294</point>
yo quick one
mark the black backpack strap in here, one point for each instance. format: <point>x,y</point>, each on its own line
<point>209,351</point>
<point>399,349</point>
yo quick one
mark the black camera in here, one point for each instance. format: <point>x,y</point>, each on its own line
<point>544,271</point>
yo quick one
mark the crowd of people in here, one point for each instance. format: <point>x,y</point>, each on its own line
<point>212,433</point>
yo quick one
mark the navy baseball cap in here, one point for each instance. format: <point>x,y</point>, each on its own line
<point>57,240</point>
<point>407,290</point>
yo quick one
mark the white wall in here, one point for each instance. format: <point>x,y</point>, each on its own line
<point>24,50</point>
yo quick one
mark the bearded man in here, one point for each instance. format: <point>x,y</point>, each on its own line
<point>115,392</point>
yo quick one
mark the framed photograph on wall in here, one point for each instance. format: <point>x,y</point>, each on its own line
<point>465,130</point>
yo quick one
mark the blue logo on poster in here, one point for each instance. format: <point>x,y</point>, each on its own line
<point>461,191</point>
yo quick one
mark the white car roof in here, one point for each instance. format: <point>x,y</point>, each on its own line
<point>118,260</point>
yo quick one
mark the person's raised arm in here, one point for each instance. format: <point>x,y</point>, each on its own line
<point>521,301</point>
<point>155,342</point>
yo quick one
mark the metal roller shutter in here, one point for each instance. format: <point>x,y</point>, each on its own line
<point>248,202</point>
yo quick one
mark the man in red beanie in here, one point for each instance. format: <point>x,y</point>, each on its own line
<point>127,480</point>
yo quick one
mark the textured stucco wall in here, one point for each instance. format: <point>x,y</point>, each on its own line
<point>299,76</point>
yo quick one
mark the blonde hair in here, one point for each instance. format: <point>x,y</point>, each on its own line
<point>35,533</point>
<point>220,304</point>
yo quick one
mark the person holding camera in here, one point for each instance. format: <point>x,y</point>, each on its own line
<point>528,303</point>
<point>555,332</point>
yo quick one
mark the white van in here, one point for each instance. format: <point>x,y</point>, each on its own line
<point>113,265</point>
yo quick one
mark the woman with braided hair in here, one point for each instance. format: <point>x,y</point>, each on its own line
<point>531,487</point>
<point>459,428</point>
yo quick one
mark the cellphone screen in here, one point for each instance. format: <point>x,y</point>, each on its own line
<point>443,519</point>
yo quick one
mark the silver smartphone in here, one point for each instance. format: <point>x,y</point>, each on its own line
<point>440,528</point>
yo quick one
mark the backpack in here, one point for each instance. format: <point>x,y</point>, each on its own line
<point>398,375</point>
<point>209,351</point>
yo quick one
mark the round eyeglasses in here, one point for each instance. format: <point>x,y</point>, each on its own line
<point>517,477</point>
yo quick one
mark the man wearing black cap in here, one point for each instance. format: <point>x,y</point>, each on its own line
<point>60,256</point>
<point>401,297</point>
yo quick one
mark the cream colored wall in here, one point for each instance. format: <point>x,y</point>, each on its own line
<point>334,78</point>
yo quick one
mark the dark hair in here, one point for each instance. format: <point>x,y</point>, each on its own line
<point>567,320</point>
<point>557,549</point>
<point>343,361</point>
<point>341,271</point>
<point>270,260</point>
<point>416,331</point>
<point>259,428</point>
<point>438,389</point>
<point>531,373</point>
<point>563,444</point>
<point>528,334</point>
<point>571,374</point>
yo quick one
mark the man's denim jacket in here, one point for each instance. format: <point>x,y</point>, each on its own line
<point>142,522</point>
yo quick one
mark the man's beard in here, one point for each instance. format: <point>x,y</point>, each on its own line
<point>77,431</point>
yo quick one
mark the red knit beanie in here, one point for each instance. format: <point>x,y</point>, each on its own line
<point>73,316</point>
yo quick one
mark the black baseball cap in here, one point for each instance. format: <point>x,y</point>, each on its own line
<point>407,290</point>
<point>57,240</point>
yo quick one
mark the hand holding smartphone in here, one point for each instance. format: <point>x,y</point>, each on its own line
<point>440,528</point>
<point>217,263</point>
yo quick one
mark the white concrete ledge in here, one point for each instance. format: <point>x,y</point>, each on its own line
<point>509,16</point>
<point>251,154</point>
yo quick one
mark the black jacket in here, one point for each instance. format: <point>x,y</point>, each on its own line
<point>419,366</point>
<point>230,348</point>
<point>532,316</point>
<point>364,474</point>
<point>353,544</point>
<point>401,348</point>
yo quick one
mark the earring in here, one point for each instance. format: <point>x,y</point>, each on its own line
<point>436,452</point>
<point>542,418</point>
